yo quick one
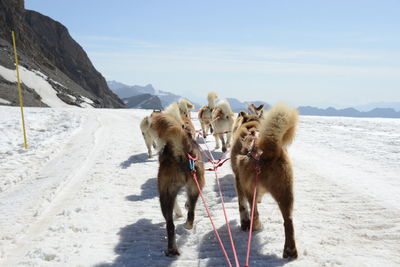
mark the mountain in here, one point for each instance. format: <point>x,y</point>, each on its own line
<point>47,55</point>
<point>238,106</point>
<point>125,91</point>
<point>370,106</point>
<point>350,112</point>
<point>143,101</point>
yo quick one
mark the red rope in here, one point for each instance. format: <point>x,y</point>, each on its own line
<point>217,164</point>
<point>193,171</point>
<point>222,202</point>
<point>258,171</point>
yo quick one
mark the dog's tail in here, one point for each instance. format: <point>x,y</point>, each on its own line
<point>211,99</point>
<point>225,108</point>
<point>173,110</point>
<point>277,130</point>
<point>170,131</point>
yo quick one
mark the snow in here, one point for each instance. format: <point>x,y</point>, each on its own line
<point>85,194</point>
<point>4,101</point>
<point>37,81</point>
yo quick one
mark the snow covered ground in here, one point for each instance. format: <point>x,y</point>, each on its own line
<point>85,194</point>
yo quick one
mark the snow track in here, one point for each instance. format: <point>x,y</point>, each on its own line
<point>93,201</point>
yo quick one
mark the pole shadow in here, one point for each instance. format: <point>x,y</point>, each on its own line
<point>227,188</point>
<point>210,250</point>
<point>149,191</point>
<point>134,159</point>
<point>143,244</point>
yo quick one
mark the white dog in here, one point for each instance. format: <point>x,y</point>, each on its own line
<point>222,117</point>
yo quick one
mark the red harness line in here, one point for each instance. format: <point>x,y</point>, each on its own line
<point>217,164</point>
<point>222,201</point>
<point>258,172</point>
<point>193,171</point>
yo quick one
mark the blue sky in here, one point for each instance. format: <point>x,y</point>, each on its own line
<point>322,53</point>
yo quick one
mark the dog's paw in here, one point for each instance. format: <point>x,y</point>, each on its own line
<point>172,252</point>
<point>245,225</point>
<point>290,253</point>
<point>257,226</point>
<point>188,225</point>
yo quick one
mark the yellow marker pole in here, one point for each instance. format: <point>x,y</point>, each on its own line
<point>19,90</point>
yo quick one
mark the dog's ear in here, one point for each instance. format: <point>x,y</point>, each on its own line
<point>241,114</point>
<point>260,107</point>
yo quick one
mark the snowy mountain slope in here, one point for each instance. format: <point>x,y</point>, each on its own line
<point>45,45</point>
<point>93,201</point>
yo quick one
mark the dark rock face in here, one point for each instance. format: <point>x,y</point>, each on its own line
<point>144,101</point>
<point>48,44</point>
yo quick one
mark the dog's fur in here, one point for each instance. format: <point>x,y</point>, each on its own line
<point>222,121</point>
<point>150,137</point>
<point>276,130</point>
<point>205,114</point>
<point>180,111</point>
<point>174,172</point>
<point>182,115</point>
<point>184,107</point>
<point>253,109</point>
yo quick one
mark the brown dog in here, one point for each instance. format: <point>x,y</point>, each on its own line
<point>253,109</point>
<point>174,172</point>
<point>260,145</point>
<point>205,114</point>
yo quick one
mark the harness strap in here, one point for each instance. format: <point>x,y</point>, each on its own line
<point>258,172</point>
<point>193,171</point>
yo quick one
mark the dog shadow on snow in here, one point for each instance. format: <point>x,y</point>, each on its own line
<point>210,250</point>
<point>143,244</point>
<point>149,191</point>
<point>134,159</point>
<point>227,188</point>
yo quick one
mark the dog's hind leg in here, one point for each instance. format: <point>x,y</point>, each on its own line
<point>177,209</point>
<point>228,140</point>
<point>256,217</point>
<point>167,201</point>
<point>285,202</point>
<point>243,210</point>
<point>221,136</point>
<point>192,196</point>
<point>149,142</point>
<point>217,145</point>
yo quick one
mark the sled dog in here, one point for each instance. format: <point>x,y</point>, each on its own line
<point>205,114</point>
<point>222,122</point>
<point>184,107</point>
<point>253,109</point>
<point>260,145</point>
<point>174,172</point>
<point>150,137</point>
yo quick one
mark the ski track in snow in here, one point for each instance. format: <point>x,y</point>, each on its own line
<point>87,196</point>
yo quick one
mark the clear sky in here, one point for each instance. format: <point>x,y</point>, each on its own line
<point>322,53</point>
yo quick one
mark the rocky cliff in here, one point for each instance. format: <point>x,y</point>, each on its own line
<point>45,45</point>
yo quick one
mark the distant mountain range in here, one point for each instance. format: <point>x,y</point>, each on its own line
<point>134,95</point>
<point>147,97</point>
<point>350,112</point>
<point>128,93</point>
<point>143,101</point>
